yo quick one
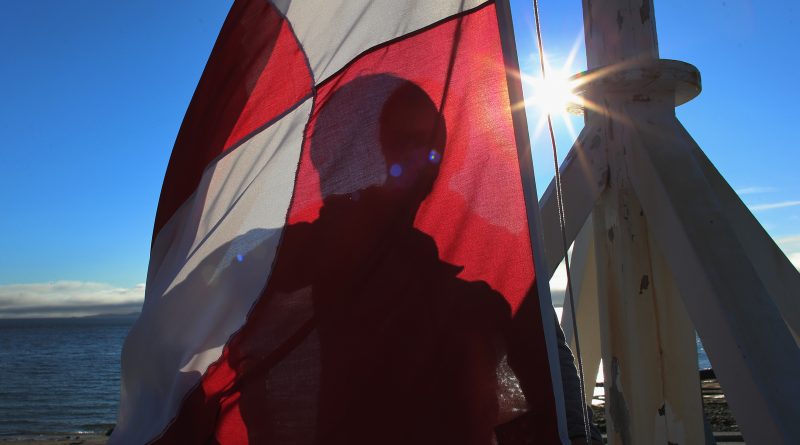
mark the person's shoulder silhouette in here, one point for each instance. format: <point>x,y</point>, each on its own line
<point>363,334</point>
<point>406,350</point>
<point>406,346</point>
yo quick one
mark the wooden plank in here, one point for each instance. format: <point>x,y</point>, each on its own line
<point>635,371</point>
<point>618,31</point>
<point>649,357</point>
<point>584,174</point>
<point>778,274</point>
<point>744,334</point>
<point>683,409</point>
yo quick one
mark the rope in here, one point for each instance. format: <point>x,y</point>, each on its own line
<point>563,224</point>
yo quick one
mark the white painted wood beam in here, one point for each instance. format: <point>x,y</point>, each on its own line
<point>753,353</point>
<point>584,175</point>
<point>652,389</point>
<point>632,365</point>
<point>780,277</point>
<point>683,409</point>
<point>618,31</point>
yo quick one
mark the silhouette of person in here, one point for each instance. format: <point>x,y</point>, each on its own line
<point>395,348</point>
<point>407,351</point>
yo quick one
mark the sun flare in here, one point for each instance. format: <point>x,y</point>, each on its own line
<point>553,95</point>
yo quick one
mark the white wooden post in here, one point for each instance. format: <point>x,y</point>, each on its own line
<point>670,225</point>
<point>584,173</point>
<point>778,274</point>
<point>745,335</point>
<point>652,388</point>
<point>648,398</point>
<point>667,225</point>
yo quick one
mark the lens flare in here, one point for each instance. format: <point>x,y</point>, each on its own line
<point>396,170</point>
<point>553,95</point>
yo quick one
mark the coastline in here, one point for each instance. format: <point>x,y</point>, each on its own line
<point>715,408</point>
<point>56,439</point>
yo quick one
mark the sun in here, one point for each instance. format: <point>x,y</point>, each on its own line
<point>553,95</point>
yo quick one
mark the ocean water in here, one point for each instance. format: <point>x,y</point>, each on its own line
<point>702,359</point>
<point>60,376</point>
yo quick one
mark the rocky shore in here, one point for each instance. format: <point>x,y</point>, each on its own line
<point>72,439</point>
<point>715,408</point>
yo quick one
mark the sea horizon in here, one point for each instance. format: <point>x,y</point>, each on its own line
<point>60,375</point>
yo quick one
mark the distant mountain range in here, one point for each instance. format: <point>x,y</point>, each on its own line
<point>125,315</point>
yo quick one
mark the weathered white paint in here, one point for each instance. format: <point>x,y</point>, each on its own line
<point>652,390</point>
<point>619,30</point>
<point>682,409</point>
<point>778,274</point>
<point>666,214</point>
<point>744,333</point>
<point>639,377</point>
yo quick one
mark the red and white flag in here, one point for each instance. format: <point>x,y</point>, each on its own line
<point>341,252</point>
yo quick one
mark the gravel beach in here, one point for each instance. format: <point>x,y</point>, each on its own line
<point>715,408</point>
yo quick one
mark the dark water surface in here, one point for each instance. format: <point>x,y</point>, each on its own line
<point>60,375</point>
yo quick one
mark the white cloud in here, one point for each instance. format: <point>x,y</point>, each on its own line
<point>795,259</point>
<point>68,299</point>
<point>787,240</point>
<point>791,247</point>
<point>774,205</point>
<point>754,190</point>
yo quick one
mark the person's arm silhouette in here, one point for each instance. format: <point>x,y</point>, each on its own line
<point>294,267</point>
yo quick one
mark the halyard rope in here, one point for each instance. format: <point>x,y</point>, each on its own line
<point>563,224</point>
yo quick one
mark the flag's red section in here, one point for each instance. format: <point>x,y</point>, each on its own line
<point>476,212</point>
<point>255,73</point>
<point>401,278</point>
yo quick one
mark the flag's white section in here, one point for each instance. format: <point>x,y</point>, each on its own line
<point>333,32</point>
<point>210,264</point>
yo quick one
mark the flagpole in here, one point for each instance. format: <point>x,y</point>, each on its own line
<point>524,156</point>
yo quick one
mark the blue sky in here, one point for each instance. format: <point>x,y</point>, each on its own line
<point>93,93</point>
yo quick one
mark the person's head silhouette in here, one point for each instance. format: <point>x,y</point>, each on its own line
<point>379,135</point>
<point>412,136</point>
